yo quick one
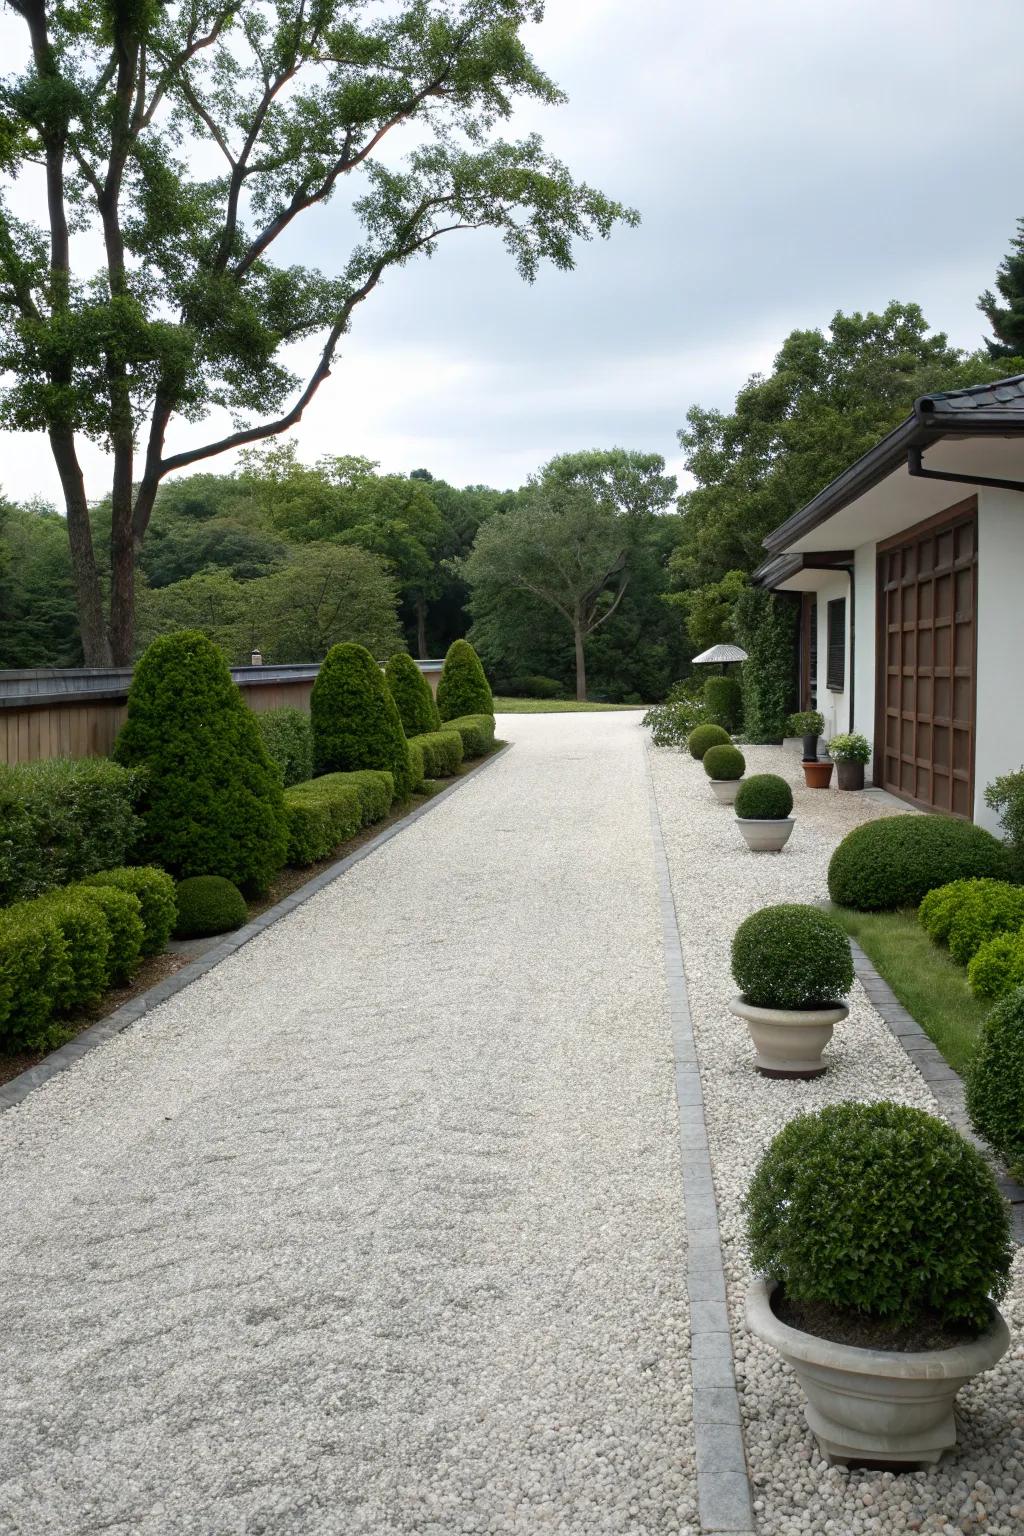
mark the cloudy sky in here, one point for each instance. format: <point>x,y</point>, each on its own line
<point>788,157</point>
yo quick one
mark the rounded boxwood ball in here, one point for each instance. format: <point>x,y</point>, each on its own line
<point>764,797</point>
<point>791,956</point>
<point>895,861</point>
<point>704,736</point>
<point>884,1210</point>
<point>208,904</point>
<point>724,762</point>
<point>995,1086</point>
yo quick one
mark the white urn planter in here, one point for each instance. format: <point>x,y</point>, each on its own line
<point>876,1405</point>
<point>765,836</point>
<point>789,1041</point>
<point>725,790</point>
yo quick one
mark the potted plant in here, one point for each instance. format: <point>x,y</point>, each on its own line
<point>763,804</point>
<point>725,767</point>
<point>849,753</point>
<point>793,966</point>
<point>817,772</point>
<point>809,724</point>
<point>883,1244</point>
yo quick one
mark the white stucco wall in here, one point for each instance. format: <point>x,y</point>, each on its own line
<point>835,707</point>
<point>999,746</point>
<point>864,562</point>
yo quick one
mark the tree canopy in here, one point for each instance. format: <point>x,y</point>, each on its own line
<point>1007,318</point>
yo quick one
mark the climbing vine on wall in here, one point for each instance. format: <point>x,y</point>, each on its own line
<point>766,627</point>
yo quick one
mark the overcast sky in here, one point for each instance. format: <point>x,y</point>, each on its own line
<point>788,158</point>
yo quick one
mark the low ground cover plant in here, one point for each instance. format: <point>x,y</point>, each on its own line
<point>410,690</point>
<point>791,956</point>
<point>882,1212</point>
<point>764,797</point>
<point>462,688</point>
<point>724,762</point>
<point>356,723</point>
<point>967,913</point>
<point>895,861</point>
<point>723,701</point>
<point>704,736</point>
<point>995,1084</point>
<point>288,738</point>
<point>208,904</point>
<point>61,820</point>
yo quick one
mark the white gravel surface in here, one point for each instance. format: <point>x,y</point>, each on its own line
<point>377,1227</point>
<point>979,1489</point>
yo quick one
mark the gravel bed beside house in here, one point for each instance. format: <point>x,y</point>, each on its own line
<point>717,882</point>
<point>377,1227</point>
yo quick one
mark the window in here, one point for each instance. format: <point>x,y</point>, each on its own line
<point>835,673</point>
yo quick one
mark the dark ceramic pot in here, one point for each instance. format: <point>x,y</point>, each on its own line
<point>850,775</point>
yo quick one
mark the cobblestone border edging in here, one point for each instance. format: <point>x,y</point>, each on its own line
<point>946,1084</point>
<point>723,1485</point>
<point>18,1089</point>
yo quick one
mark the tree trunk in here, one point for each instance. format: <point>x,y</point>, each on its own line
<point>421,628</point>
<point>88,596</point>
<point>581,665</point>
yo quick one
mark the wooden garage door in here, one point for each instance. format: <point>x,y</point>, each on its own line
<point>927,601</point>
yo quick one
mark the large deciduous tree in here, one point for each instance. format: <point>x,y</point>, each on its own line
<point>185,139</point>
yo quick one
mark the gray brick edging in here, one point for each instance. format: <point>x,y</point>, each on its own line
<point>17,1090</point>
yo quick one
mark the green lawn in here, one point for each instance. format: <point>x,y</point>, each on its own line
<point>551,706</point>
<point>926,981</point>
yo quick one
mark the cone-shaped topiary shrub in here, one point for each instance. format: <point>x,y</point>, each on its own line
<point>208,904</point>
<point>724,762</point>
<point>704,736</point>
<point>995,1084</point>
<point>895,861</point>
<point>791,956</point>
<point>154,890</point>
<point>411,692</point>
<point>883,1211</point>
<point>355,720</point>
<point>212,801</point>
<point>463,688</point>
<point>723,701</point>
<point>764,797</point>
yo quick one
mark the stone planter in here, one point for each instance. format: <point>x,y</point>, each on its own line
<point>850,775</point>
<point>876,1405</point>
<point>725,790</point>
<point>789,1041</point>
<point>817,774</point>
<point>765,836</point>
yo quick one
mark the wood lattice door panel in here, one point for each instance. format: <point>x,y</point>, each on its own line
<point>927,608</point>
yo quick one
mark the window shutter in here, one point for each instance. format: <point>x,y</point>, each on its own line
<point>835,673</point>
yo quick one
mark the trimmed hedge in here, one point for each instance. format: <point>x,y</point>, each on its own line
<point>410,690</point>
<point>86,934</point>
<point>896,861</point>
<point>791,956</point>
<point>288,738</point>
<point>998,967</point>
<point>154,890</point>
<point>463,689</point>
<point>938,908</point>
<point>967,913</point>
<point>442,753</point>
<point>208,904</point>
<point>122,912</point>
<point>356,723</point>
<point>533,687</point>
<point>995,1084</point>
<point>704,736</point>
<point>476,733</point>
<point>34,971</point>
<point>323,813</point>
<point>763,797</point>
<point>884,1210</point>
<point>417,772</point>
<point>724,763</point>
<point>723,700</point>
<point>212,799</point>
<point>62,819</point>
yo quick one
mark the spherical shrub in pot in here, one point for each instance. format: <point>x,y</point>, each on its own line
<point>995,1086</point>
<point>704,736</point>
<point>895,861</point>
<point>793,966</point>
<point>725,767</point>
<point>208,904</point>
<point>882,1243</point>
<point>763,805</point>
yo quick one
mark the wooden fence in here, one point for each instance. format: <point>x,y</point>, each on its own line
<point>78,711</point>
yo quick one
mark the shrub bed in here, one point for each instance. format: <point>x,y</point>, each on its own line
<point>208,904</point>
<point>288,738</point>
<point>967,913</point>
<point>154,891</point>
<point>86,934</point>
<point>998,967</point>
<point>764,797</point>
<point>61,820</point>
<point>995,1085</point>
<point>476,733</point>
<point>463,690</point>
<point>411,693</point>
<point>704,736</point>
<point>791,956</point>
<point>322,814</point>
<point>724,763</point>
<point>896,861</point>
<point>442,752</point>
<point>122,912</point>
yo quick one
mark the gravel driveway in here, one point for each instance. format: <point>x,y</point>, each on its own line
<point>377,1227</point>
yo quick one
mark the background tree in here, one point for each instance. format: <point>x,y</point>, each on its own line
<point>38,621</point>
<point>189,315</point>
<point>1007,318</point>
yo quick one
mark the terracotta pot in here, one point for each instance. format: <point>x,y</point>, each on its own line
<point>763,836</point>
<point>876,1405</point>
<point>789,1041</point>
<point>817,775</point>
<point>725,790</point>
<point>850,775</point>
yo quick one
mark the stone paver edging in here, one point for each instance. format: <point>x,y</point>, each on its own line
<point>723,1485</point>
<point>18,1089</point>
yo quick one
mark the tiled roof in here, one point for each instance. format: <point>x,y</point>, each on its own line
<point>1005,396</point>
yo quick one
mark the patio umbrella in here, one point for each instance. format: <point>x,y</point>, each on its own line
<point>720,655</point>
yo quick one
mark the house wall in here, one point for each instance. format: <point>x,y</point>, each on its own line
<point>999,745</point>
<point>865,590</point>
<point>835,707</point>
